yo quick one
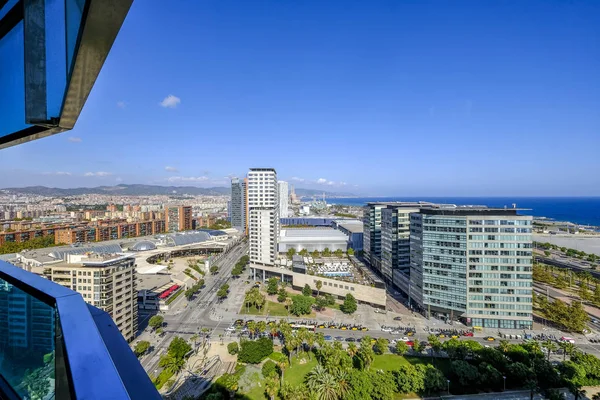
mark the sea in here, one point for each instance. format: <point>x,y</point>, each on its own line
<point>579,210</point>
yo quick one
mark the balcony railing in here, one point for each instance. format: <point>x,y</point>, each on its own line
<point>81,354</point>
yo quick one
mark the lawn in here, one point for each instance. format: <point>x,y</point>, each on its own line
<point>391,362</point>
<point>293,375</point>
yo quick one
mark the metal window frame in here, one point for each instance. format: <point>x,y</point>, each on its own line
<point>98,363</point>
<point>100,24</point>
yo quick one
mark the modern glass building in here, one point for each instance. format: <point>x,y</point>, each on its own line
<point>395,243</point>
<point>52,344</point>
<point>237,213</point>
<point>372,234</point>
<point>473,264</point>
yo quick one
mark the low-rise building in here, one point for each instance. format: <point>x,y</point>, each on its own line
<point>312,239</point>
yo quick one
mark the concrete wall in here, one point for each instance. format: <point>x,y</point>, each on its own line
<point>362,293</point>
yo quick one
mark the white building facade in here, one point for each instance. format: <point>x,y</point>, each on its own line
<point>284,198</point>
<point>263,210</point>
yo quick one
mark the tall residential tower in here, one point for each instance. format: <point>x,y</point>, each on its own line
<point>263,210</point>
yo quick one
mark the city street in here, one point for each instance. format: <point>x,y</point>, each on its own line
<point>189,318</point>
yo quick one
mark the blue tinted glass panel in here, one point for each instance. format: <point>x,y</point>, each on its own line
<point>7,7</point>
<point>12,82</point>
<point>56,56</point>
<point>27,332</point>
<point>74,10</point>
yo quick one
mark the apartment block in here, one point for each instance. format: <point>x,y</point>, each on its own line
<point>473,264</point>
<point>104,281</point>
<point>263,209</point>
<point>178,218</point>
<point>101,232</point>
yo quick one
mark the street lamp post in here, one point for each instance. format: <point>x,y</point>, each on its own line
<point>504,377</point>
<point>448,387</point>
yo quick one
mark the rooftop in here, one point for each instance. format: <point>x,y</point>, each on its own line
<point>318,234</point>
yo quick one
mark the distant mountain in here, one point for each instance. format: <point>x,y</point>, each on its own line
<point>123,190</point>
<point>319,193</point>
<point>149,190</point>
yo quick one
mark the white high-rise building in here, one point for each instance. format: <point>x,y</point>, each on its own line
<point>263,210</point>
<point>284,198</point>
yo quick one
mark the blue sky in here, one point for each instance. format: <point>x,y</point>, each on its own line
<point>432,98</point>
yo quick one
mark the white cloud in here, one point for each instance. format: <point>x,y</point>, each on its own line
<point>321,181</point>
<point>119,179</point>
<point>121,104</point>
<point>57,173</point>
<point>171,169</point>
<point>99,174</point>
<point>74,139</point>
<point>188,179</point>
<point>170,101</point>
<point>295,178</point>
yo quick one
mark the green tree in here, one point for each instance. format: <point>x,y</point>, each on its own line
<point>272,286</point>
<point>518,374</point>
<point>171,364</point>
<point>307,291</point>
<point>269,369</point>
<point>326,252</point>
<point>222,292</point>
<point>584,292</point>
<point>384,385</point>
<point>349,306</point>
<point>434,381</point>
<point>350,252</point>
<point>301,305</point>
<point>320,303</point>
<point>339,253</point>
<point>435,344</point>
<point>289,392</point>
<point>272,386</point>
<point>233,348</point>
<point>303,252</point>
<point>315,254</point>
<point>141,347</point>
<point>318,285</point>
<point>178,347</point>
<point>360,385</point>
<point>365,352</point>
<point>381,346</point>
<point>291,252</point>
<point>464,373</point>
<point>402,348</point>
<point>281,295</point>
<point>330,299</point>
<point>254,351</point>
<point>567,348</point>
<point>418,347</point>
<point>410,378</point>
<point>156,321</point>
<point>214,269</point>
<point>550,347</point>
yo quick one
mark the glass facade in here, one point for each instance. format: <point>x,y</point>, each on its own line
<point>27,331</point>
<point>473,268</point>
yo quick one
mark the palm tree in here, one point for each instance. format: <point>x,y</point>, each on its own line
<point>352,349</point>
<point>274,330</point>
<point>320,339</point>
<point>550,347</point>
<point>272,387</point>
<point>261,326</point>
<point>504,346</point>
<point>251,325</point>
<point>322,383</point>
<point>289,392</point>
<point>281,366</point>
<point>288,304</point>
<point>568,348</point>
<point>318,285</point>
<point>343,381</point>
<point>315,376</point>
<point>289,346</point>
<point>172,364</point>
<point>310,341</point>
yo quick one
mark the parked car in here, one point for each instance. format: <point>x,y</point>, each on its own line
<point>327,337</point>
<point>397,318</point>
<point>339,338</point>
<point>350,339</point>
